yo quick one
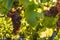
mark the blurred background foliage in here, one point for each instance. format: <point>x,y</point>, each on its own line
<point>34,25</point>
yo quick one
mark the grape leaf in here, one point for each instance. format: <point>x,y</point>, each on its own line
<point>48,22</point>
<point>31,15</point>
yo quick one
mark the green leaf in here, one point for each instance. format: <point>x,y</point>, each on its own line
<point>7,4</point>
<point>31,19</point>
<point>34,36</point>
<point>39,15</point>
<point>48,22</point>
<point>25,3</point>
<point>30,14</point>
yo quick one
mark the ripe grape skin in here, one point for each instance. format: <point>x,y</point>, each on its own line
<point>52,12</point>
<point>16,20</point>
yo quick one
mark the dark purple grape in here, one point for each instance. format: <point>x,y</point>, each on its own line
<point>46,13</point>
<point>18,10</point>
<point>16,17</point>
<point>16,20</point>
<point>51,13</point>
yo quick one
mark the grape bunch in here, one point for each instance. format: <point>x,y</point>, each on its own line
<point>51,13</point>
<point>14,14</point>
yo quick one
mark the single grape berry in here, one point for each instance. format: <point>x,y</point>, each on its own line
<point>18,10</point>
<point>46,13</point>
